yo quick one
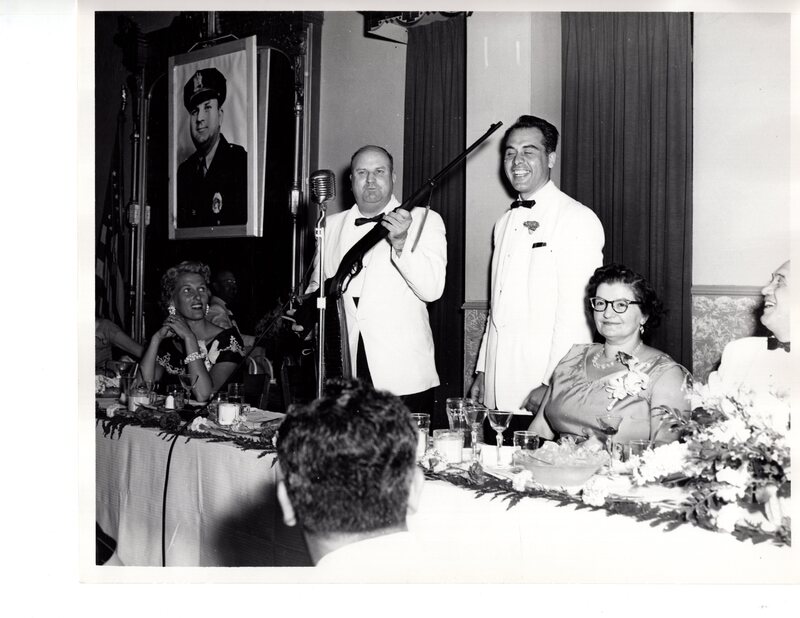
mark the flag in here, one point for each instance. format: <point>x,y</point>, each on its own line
<point>110,286</point>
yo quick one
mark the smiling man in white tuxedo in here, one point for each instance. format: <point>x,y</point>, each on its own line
<point>546,246</point>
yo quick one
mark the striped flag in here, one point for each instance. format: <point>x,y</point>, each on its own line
<point>110,286</point>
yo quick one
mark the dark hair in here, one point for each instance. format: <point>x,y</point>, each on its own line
<point>643,292</point>
<point>169,278</point>
<point>549,132</point>
<point>372,147</point>
<point>348,459</point>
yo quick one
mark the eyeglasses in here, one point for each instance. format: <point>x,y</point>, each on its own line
<point>620,305</point>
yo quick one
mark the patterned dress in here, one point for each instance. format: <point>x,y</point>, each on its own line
<point>574,400</point>
<point>225,346</point>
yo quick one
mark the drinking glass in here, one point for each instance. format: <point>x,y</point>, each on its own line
<point>227,412</point>
<point>187,380</point>
<point>449,443</point>
<point>499,422</point>
<point>139,394</point>
<point>213,405</point>
<point>236,393</point>
<point>120,369</point>
<point>634,448</point>
<point>526,440</point>
<point>455,413</point>
<point>423,422</point>
<point>609,424</point>
<point>474,413</point>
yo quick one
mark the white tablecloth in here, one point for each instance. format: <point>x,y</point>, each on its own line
<point>221,505</point>
<point>222,511</point>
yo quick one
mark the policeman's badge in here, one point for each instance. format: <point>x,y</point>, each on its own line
<point>216,203</point>
<point>197,82</point>
<point>531,225</point>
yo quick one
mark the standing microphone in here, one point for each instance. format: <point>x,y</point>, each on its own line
<point>323,185</point>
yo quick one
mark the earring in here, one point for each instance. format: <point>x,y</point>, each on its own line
<point>641,328</point>
<point>207,308</point>
<point>171,309</point>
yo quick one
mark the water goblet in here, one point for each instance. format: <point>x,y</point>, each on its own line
<point>187,380</point>
<point>120,369</point>
<point>423,422</point>
<point>609,425</point>
<point>499,421</point>
<point>474,413</point>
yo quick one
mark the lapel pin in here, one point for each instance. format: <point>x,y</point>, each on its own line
<point>531,225</point>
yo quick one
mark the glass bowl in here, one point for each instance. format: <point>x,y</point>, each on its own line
<point>558,474</point>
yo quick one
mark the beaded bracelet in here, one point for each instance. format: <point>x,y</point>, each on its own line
<point>193,357</point>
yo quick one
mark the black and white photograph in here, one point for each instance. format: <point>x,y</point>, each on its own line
<point>485,294</point>
<point>213,123</point>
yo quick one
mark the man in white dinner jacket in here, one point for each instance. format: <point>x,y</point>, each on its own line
<point>763,364</point>
<point>389,333</point>
<point>546,247</point>
<point>348,477</point>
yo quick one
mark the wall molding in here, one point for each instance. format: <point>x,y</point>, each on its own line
<point>726,290</point>
<point>475,305</point>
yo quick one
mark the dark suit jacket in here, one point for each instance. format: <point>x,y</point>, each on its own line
<point>219,198</point>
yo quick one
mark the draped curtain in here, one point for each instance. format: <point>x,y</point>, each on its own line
<point>435,128</point>
<point>627,148</point>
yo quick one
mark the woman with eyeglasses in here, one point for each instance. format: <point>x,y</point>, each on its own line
<point>620,377</point>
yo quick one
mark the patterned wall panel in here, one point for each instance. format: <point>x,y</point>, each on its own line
<point>475,315</point>
<point>720,315</point>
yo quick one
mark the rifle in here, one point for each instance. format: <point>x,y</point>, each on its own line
<point>352,262</point>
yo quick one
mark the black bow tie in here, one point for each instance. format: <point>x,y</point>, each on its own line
<point>523,203</point>
<point>774,344</point>
<point>363,220</point>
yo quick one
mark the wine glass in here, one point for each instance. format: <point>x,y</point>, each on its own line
<point>187,380</point>
<point>609,424</point>
<point>475,413</point>
<point>499,422</point>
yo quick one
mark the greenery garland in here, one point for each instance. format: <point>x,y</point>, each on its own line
<point>170,423</point>
<point>474,479</point>
<point>483,484</point>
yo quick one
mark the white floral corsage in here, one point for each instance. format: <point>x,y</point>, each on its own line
<point>630,383</point>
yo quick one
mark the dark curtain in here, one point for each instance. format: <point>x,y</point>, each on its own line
<point>627,148</point>
<point>435,128</point>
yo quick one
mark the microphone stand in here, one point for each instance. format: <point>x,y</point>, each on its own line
<point>319,234</point>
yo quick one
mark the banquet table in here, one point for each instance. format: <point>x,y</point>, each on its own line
<point>222,511</point>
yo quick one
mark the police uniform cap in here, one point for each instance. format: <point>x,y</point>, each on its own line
<point>203,85</point>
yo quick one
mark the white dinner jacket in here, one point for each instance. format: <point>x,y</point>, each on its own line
<point>392,313</point>
<point>539,282</point>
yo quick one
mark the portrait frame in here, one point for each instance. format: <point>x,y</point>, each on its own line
<point>227,205</point>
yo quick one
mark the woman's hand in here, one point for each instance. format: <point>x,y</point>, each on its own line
<point>178,327</point>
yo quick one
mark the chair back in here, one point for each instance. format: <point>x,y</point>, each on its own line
<point>257,381</point>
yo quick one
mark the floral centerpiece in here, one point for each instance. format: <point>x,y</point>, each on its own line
<point>733,455</point>
<point>729,470</point>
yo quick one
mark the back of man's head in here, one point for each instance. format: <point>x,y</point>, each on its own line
<point>348,460</point>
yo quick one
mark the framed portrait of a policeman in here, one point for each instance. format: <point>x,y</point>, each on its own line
<point>213,144</point>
